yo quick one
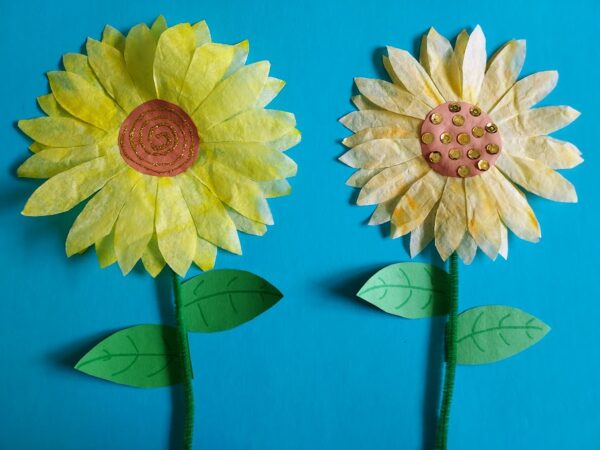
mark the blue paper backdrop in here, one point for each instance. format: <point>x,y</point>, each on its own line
<point>320,370</point>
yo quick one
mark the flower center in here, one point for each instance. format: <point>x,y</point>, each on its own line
<point>159,138</point>
<point>460,140</point>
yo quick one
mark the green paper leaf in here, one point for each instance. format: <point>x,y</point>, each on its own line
<point>411,290</point>
<point>490,333</point>
<point>222,299</point>
<point>142,356</point>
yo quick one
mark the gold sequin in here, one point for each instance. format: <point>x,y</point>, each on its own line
<point>427,138</point>
<point>463,138</point>
<point>445,138</point>
<point>475,111</point>
<point>492,149</point>
<point>491,128</point>
<point>483,165</point>
<point>435,157</point>
<point>436,118</point>
<point>463,171</point>
<point>473,153</point>
<point>454,153</point>
<point>478,132</point>
<point>458,120</point>
<point>454,107</point>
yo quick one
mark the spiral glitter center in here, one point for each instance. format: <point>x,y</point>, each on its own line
<point>458,139</point>
<point>159,138</point>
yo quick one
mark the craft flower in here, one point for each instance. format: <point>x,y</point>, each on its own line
<point>440,148</point>
<point>169,131</point>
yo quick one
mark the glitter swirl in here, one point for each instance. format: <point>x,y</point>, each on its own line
<point>159,138</point>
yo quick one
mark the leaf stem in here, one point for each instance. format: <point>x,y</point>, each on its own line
<point>184,349</point>
<point>451,345</point>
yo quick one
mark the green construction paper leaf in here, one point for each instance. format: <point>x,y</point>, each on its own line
<point>490,333</point>
<point>411,290</point>
<point>222,299</point>
<point>142,356</point>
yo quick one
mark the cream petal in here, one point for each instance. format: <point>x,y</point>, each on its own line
<point>359,120</point>
<point>421,236</point>
<point>379,133</point>
<point>361,103</point>
<point>552,152</point>
<point>483,220</point>
<point>391,97</point>
<point>379,153</point>
<point>467,249</point>
<point>359,178</point>
<point>451,218</point>
<point>473,66</point>
<point>503,242</point>
<point>537,122</point>
<point>383,212</point>
<point>441,65</point>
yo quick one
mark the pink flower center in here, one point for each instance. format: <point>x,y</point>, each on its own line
<point>460,140</point>
<point>159,138</point>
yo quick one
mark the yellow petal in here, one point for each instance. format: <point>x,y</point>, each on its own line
<point>473,66</point>
<point>255,125</point>
<point>109,66</point>
<point>171,61</point>
<point>359,120</point>
<point>392,182</point>
<point>421,236</point>
<point>413,77</point>
<point>100,214</point>
<point>175,228</point>
<point>513,207</point>
<point>51,161</point>
<point>416,204</point>
<point>286,141</point>
<point>135,225</point>
<point>231,96</point>
<point>441,65</point>
<point>359,178</point>
<point>239,57</point>
<point>206,254</point>
<point>252,159</point>
<point>202,33</point>
<point>275,188</point>
<point>235,190</point>
<point>524,94</point>
<point>539,121</point>
<point>36,147</point>
<point>159,26</point>
<point>246,225</point>
<point>50,106</point>
<point>537,178</point>
<point>105,250</point>
<point>152,259</point>
<point>552,152</point>
<point>209,215</point>
<point>483,221</point>
<point>502,72</point>
<point>271,89</point>
<point>467,249</point>
<point>207,67</point>
<point>83,100</point>
<point>65,190</point>
<point>379,133</point>
<point>79,64</point>
<point>451,218</point>
<point>140,47</point>
<point>59,131</point>
<point>379,153</point>
<point>114,38</point>
<point>392,98</point>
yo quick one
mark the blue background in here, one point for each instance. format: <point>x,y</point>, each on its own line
<point>320,370</point>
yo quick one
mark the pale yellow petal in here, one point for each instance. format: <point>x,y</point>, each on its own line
<point>361,103</point>
<point>65,190</point>
<point>503,251</point>
<point>413,77</point>
<point>502,72</point>
<point>100,214</point>
<point>152,259</point>
<point>172,58</point>
<point>252,159</point>
<point>441,65</point>
<point>246,225</point>
<point>524,94</point>
<point>513,207</point>
<point>379,153</point>
<point>105,250</point>
<point>483,221</point>
<point>359,178</point>
<point>392,181</point>
<point>206,254</point>
<point>231,96</point>
<point>536,177</point>
<point>539,121</point>
<point>467,249</point>
<point>473,66</point>
<point>275,188</point>
<point>390,70</point>
<point>383,212</point>
<point>209,215</point>
<point>421,236</point>
<point>114,38</point>
<point>109,66</point>
<point>79,64</point>
<point>50,106</point>
<point>460,46</point>
<point>52,161</point>
<point>379,133</point>
<point>360,120</point>
<point>140,47</point>
<point>60,131</point>
<point>286,141</point>
<point>175,228</point>
<point>202,33</point>
<point>83,100</point>
<point>391,97</point>
<point>451,218</point>
<point>416,204</point>
<point>135,225</point>
<point>552,152</point>
<point>255,125</point>
<point>271,89</point>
